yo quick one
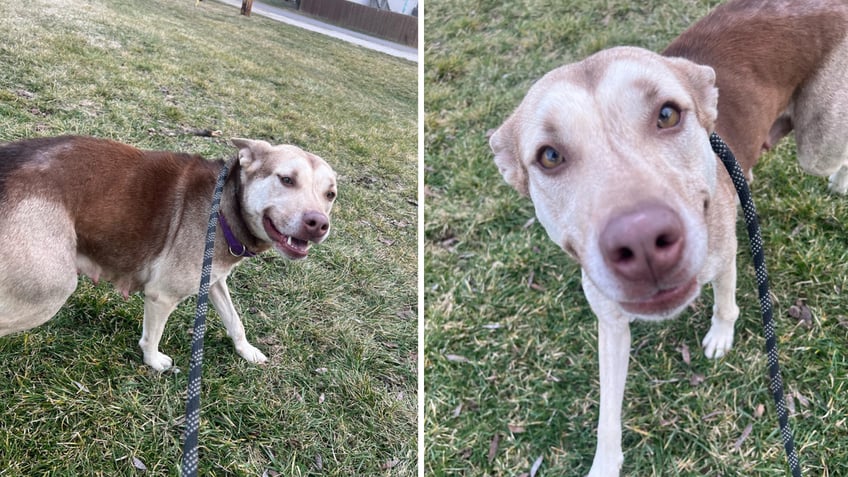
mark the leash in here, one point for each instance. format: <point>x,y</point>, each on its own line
<point>751,221</point>
<point>192,419</point>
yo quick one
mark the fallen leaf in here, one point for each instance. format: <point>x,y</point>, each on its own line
<point>515,429</point>
<point>319,462</point>
<point>492,326</point>
<point>466,454</point>
<point>745,433</point>
<point>82,387</point>
<point>493,447</point>
<point>320,370</point>
<point>385,241</point>
<point>759,411</point>
<point>456,358</point>
<point>684,353</point>
<point>389,464</point>
<point>803,401</point>
<point>790,403</point>
<point>321,399</point>
<point>710,415</point>
<point>535,467</point>
<point>457,410</point>
<point>696,379</point>
<point>529,223</point>
<point>138,464</point>
<point>801,312</point>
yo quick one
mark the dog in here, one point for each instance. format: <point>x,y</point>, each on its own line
<point>75,205</point>
<point>614,153</point>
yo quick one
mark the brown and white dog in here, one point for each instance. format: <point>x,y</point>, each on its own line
<point>614,153</point>
<point>77,205</point>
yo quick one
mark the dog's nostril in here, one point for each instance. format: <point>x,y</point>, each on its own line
<point>622,255</point>
<point>665,241</point>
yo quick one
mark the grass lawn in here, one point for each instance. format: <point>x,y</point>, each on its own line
<point>510,350</point>
<point>339,395</point>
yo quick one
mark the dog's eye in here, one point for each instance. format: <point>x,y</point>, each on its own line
<point>549,157</point>
<point>286,180</point>
<point>669,116</point>
<point>331,195</point>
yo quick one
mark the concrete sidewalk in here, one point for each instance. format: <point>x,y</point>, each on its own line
<point>308,23</point>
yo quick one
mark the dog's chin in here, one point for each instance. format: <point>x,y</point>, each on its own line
<point>665,303</point>
<point>289,246</point>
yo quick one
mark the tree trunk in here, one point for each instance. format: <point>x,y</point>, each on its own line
<point>246,6</point>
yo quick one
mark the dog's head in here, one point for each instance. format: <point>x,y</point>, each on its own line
<point>287,195</point>
<point>614,153</point>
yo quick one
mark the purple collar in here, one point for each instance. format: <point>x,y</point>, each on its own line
<point>237,249</point>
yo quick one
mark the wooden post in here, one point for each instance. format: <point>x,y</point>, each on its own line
<point>246,6</point>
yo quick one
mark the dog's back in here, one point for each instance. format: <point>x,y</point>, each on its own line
<point>123,203</point>
<point>763,51</point>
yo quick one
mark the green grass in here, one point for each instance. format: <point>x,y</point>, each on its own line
<point>339,328</point>
<point>507,359</point>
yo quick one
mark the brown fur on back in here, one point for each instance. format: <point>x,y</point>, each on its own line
<point>124,202</point>
<point>761,52</point>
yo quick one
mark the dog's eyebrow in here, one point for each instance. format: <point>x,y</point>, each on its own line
<point>650,91</point>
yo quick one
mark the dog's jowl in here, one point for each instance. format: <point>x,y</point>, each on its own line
<point>614,153</point>
<point>77,205</point>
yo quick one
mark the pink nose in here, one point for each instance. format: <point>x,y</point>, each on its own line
<point>315,224</point>
<point>645,244</point>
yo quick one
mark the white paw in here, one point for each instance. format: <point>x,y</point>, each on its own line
<point>158,361</point>
<point>839,181</point>
<point>719,339</point>
<point>251,353</point>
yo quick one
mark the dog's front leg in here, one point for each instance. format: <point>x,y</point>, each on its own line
<point>719,338</point>
<point>157,308</point>
<point>220,295</point>
<point>613,357</point>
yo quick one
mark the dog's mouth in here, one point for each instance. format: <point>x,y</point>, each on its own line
<point>289,246</point>
<point>665,302</point>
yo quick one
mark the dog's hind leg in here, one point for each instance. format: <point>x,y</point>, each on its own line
<point>37,269</point>
<point>820,115</point>
<point>219,293</point>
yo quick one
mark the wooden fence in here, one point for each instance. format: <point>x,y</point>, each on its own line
<point>388,25</point>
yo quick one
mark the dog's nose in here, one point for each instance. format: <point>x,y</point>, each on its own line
<point>645,244</point>
<point>315,224</point>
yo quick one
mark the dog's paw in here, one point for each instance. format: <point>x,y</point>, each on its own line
<point>158,361</point>
<point>719,339</point>
<point>251,353</point>
<point>839,181</point>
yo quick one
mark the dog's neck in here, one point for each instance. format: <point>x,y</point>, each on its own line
<point>240,242</point>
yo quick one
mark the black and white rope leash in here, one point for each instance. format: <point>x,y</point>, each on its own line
<point>192,419</point>
<point>751,221</point>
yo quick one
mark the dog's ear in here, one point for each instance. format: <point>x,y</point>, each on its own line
<point>249,149</point>
<point>702,82</point>
<point>507,158</point>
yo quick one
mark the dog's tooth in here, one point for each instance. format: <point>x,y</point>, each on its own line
<point>289,241</point>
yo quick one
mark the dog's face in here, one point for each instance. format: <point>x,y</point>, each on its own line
<point>287,195</point>
<point>614,153</point>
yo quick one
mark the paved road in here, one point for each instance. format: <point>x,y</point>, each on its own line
<point>307,23</point>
